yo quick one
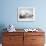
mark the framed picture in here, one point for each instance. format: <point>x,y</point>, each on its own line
<point>26,14</point>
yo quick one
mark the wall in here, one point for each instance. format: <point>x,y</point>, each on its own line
<point>9,13</point>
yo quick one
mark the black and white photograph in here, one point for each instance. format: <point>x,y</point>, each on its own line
<point>26,14</point>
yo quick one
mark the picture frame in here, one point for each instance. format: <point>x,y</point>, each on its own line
<point>26,14</point>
